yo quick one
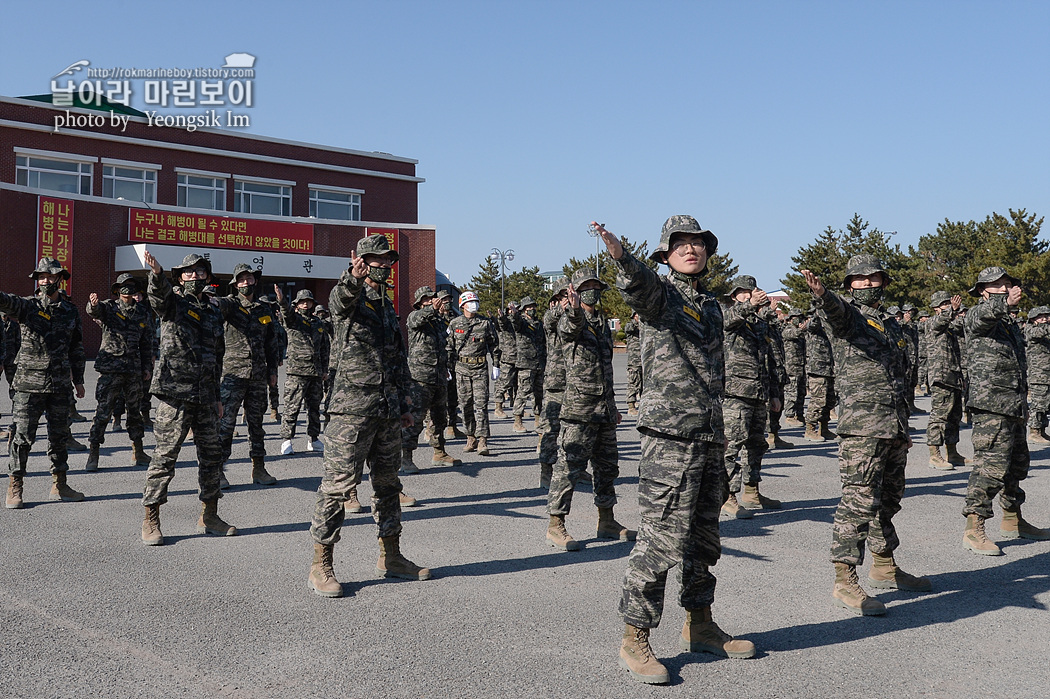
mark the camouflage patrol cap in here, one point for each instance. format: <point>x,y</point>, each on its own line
<point>894,310</point>
<point>940,298</point>
<point>862,266</point>
<point>445,294</point>
<point>795,313</point>
<point>526,302</point>
<point>319,309</point>
<point>908,308</point>
<point>305,295</point>
<point>375,245</point>
<point>240,269</point>
<point>682,224</point>
<point>558,287</point>
<point>1038,311</point>
<point>585,274</point>
<point>49,265</point>
<point>191,260</point>
<point>989,275</point>
<point>744,282</point>
<point>423,292</point>
<point>128,280</point>
<point>924,314</point>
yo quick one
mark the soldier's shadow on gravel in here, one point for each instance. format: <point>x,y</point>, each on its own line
<point>956,595</point>
<point>593,550</point>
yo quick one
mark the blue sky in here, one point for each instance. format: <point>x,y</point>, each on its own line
<point>768,121</point>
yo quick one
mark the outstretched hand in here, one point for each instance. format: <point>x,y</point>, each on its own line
<point>573,296</point>
<point>151,262</point>
<point>813,282</point>
<point>612,243</point>
<point>93,299</point>
<point>278,293</point>
<point>358,266</point>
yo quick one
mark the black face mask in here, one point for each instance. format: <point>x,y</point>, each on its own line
<point>869,296</point>
<point>992,297</point>
<point>591,297</point>
<point>379,274</point>
<point>194,287</point>
<point>246,290</point>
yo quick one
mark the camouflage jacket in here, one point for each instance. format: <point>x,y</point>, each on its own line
<point>682,353</point>
<point>587,354</point>
<point>368,352</point>
<point>747,347</point>
<point>794,349</point>
<point>471,339</point>
<point>281,333</point>
<point>911,337</point>
<point>777,358</point>
<point>427,347</point>
<point>633,340</point>
<point>943,361</point>
<point>871,368</point>
<point>191,345</point>
<point>3,342</point>
<point>920,344</point>
<point>252,351</point>
<point>308,343</point>
<point>1038,352</point>
<point>507,341</point>
<point>998,366</point>
<point>819,359</point>
<point>554,372</point>
<point>51,353</point>
<point>531,342</point>
<point>127,337</point>
<point>12,340</point>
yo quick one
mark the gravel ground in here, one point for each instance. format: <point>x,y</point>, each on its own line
<point>84,606</point>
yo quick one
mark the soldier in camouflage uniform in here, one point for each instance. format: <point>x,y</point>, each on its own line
<point>370,406</point>
<point>248,367</point>
<point>681,473</point>
<point>553,384</point>
<point>50,358</point>
<point>308,352</point>
<point>921,354</point>
<point>1037,338</point>
<point>12,341</point>
<point>124,360</point>
<point>445,316</point>
<point>428,369</point>
<point>910,328</point>
<point>588,414</point>
<point>471,337</point>
<point>795,363</point>
<point>944,333</point>
<point>507,383</point>
<point>998,403</point>
<point>531,358</point>
<point>325,317</point>
<point>871,369</point>
<point>777,368</point>
<point>633,342</point>
<point>282,352</point>
<point>747,389</point>
<point>820,369</point>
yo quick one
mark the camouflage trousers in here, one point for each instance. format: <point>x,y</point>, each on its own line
<point>145,402</point>
<point>530,387</point>
<point>427,397</point>
<point>472,385</point>
<point>9,374</point>
<point>795,396</point>
<point>1000,463</point>
<point>821,399</point>
<point>507,384</point>
<point>275,396</point>
<point>945,415</point>
<point>745,426</point>
<point>349,441</point>
<point>328,393</point>
<point>28,409</point>
<point>1038,404</point>
<point>773,416</point>
<point>922,373</point>
<point>550,427</point>
<point>109,389</point>
<point>296,390</point>
<point>872,474</point>
<point>175,418</point>
<point>453,399</point>
<point>681,488</point>
<point>634,383</point>
<point>251,393</point>
<point>579,443</point>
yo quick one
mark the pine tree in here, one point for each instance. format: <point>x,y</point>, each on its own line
<point>486,284</point>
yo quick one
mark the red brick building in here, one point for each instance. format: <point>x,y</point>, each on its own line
<point>99,194</point>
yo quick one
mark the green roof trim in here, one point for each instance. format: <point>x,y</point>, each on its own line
<point>104,105</point>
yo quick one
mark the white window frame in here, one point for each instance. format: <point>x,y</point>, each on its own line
<point>147,180</point>
<point>30,163</point>
<point>246,189</point>
<point>217,188</point>
<point>353,205</point>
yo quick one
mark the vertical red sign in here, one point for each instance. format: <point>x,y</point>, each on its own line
<point>54,232</point>
<point>393,288</point>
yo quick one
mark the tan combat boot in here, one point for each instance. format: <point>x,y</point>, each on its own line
<point>954,457</point>
<point>151,534</point>
<point>849,594</point>
<point>754,500</point>
<point>60,490</point>
<point>223,483</point>
<point>92,461</point>
<point>731,508</point>
<point>483,446</point>
<point>546,471</point>
<point>139,457</point>
<point>976,540</point>
<point>812,433</point>
<point>499,411</point>
<point>826,432</point>
<point>259,473</point>
<point>393,565</point>
<point>609,528</point>
<point>885,574</point>
<point>636,656</point>
<point>558,537</point>
<point>1036,435</point>
<point>440,457</point>
<point>472,444</point>
<point>519,426</point>
<point>211,523</point>
<point>771,440</point>
<point>14,493</point>
<point>276,416</point>
<point>352,506</point>
<point>1014,526</point>
<point>700,634</point>
<point>322,575</point>
<point>793,422</point>
<point>937,460</point>
<point>407,464</point>
<point>776,442</point>
<point>632,409</point>
<point>406,500</point>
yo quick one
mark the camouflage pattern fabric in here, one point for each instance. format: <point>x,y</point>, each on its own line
<point>452,412</point>
<point>911,337</point>
<point>550,427</point>
<point>51,350</point>
<point>920,353</point>
<point>1001,461</point>
<point>111,388</point>
<point>945,415</point>
<point>745,426</point>
<point>236,392</point>
<point>27,408</point>
<point>1037,338</point>
<point>175,418</point>
<point>795,365</point>
<point>632,339</point>
<point>507,384</point>
<point>308,352</point>
<point>298,389</point>
<point>252,351</point>
<point>125,354</point>
<point>945,377</point>
<point>819,358</point>
<point>426,398</point>
<point>472,385</point>
<point>821,399</point>
<point>872,473</point>
<point>579,443</point>
<point>553,389</point>
<point>470,340</point>
<point>12,341</point>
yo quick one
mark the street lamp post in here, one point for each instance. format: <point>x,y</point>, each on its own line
<point>592,231</point>
<point>503,256</point>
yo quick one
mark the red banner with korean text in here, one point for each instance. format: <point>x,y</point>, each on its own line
<point>54,232</point>
<point>168,228</point>
<point>391,282</point>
